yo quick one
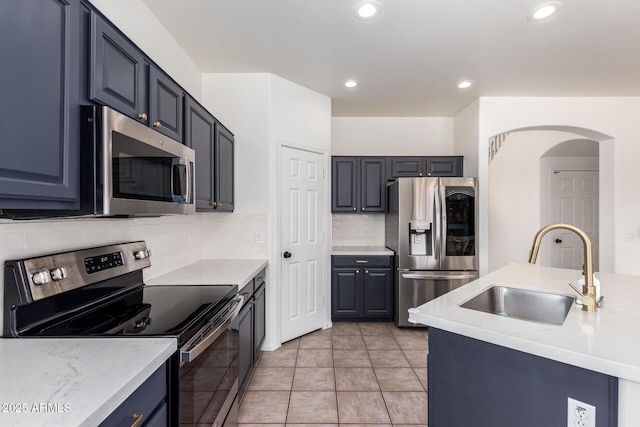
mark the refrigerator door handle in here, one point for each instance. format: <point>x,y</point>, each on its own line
<point>437,276</point>
<point>442,241</point>
<point>437,224</point>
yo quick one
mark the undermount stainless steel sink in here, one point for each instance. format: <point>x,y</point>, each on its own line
<point>535,306</point>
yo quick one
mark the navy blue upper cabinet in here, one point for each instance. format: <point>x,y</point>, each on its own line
<point>119,71</point>
<point>199,134</point>
<point>358,184</point>
<point>406,166</point>
<point>424,166</point>
<point>123,78</point>
<point>373,189</point>
<point>344,190</point>
<point>166,102</point>
<point>214,147</point>
<point>224,191</point>
<point>444,166</point>
<point>42,66</point>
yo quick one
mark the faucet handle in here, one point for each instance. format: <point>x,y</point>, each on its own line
<point>575,288</point>
<point>588,301</point>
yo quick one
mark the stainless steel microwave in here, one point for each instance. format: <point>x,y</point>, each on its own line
<point>129,169</point>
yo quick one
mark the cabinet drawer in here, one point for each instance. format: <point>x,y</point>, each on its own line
<point>360,261</point>
<point>145,400</point>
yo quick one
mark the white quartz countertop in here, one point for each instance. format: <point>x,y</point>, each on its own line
<point>213,272</point>
<point>607,341</point>
<point>361,250</point>
<point>74,381</point>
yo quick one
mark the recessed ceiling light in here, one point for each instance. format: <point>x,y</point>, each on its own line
<point>367,9</point>
<point>464,84</point>
<point>544,10</point>
<point>351,83</point>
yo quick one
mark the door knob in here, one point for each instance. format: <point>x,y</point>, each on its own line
<point>287,254</point>
<point>558,241</point>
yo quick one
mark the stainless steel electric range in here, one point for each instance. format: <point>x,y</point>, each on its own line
<point>99,292</point>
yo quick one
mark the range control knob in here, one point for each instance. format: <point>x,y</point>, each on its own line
<point>142,254</point>
<point>41,277</point>
<point>59,273</point>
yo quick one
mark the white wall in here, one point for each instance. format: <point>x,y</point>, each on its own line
<point>465,137</point>
<point>301,118</point>
<point>515,191</point>
<point>618,159</point>
<point>242,103</point>
<point>384,136</point>
<point>135,19</point>
<point>264,112</point>
<point>388,136</point>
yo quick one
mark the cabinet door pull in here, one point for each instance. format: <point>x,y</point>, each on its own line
<point>357,271</point>
<point>354,209</point>
<point>142,116</point>
<point>366,271</point>
<point>157,124</point>
<point>137,419</point>
<point>361,261</point>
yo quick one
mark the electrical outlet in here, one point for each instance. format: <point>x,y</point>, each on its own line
<point>259,237</point>
<point>580,414</point>
<point>630,237</point>
<point>355,231</point>
<point>190,240</point>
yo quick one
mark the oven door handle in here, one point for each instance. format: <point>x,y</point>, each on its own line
<point>199,343</point>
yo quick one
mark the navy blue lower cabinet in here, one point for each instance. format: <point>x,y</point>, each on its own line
<point>475,383</point>
<point>245,345</point>
<point>361,288</point>
<point>148,403</point>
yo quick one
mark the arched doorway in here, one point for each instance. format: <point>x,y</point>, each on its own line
<point>518,190</point>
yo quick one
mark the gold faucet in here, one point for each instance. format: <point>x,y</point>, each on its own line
<point>589,290</point>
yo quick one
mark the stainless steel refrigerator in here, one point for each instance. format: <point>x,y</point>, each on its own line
<point>431,225</point>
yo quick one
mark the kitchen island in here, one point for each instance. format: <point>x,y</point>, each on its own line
<point>606,342</point>
<point>73,381</point>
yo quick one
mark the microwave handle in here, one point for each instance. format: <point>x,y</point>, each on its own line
<point>183,195</point>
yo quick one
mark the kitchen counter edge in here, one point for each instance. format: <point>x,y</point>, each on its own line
<point>83,379</point>
<point>361,250</point>
<point>213,272</point>
<point>607,341</point>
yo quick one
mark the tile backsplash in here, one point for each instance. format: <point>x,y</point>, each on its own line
<point>357,230</point>
<point>175,240</point>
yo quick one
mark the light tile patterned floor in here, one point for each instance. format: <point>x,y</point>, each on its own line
<point>352,373</point>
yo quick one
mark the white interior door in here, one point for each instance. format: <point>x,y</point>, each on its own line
<point>574,200</point>
<point>303,258</point>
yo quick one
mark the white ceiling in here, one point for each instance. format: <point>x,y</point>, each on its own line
<point>408,59</point>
